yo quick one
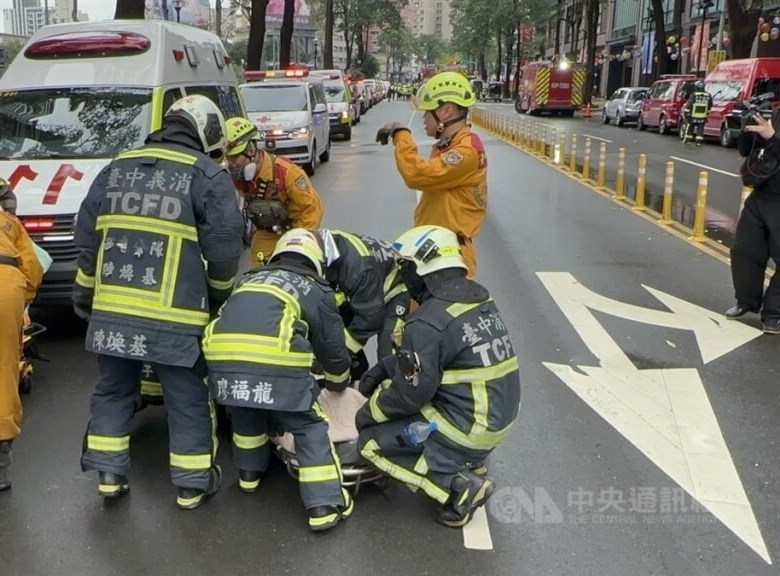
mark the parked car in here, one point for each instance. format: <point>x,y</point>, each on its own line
<point>735,81</point>
<point>664,101</point>
<point>623,106</point>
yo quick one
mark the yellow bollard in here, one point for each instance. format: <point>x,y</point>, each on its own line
<point>601,177</point>
<point>553,138</point>
<point>700,212</point>
<point>639,200</point>
<point>586,161</point>
<point>666,210</point>
<point>542,141</point>
<point>746,192</point>
<point>573,154</point>
<point>561,158</point>
<point>620,177</point>
<point>516,129</point>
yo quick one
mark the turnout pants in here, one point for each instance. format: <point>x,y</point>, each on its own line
<point>11,323</point>
<point>430,467</point>
<point>757,240</point>
<point>396,310</point>
<point>319,472</point>
<point>190,420</point>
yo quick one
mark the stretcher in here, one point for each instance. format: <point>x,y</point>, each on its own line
<point>340,409</point>
<point>28,352</point>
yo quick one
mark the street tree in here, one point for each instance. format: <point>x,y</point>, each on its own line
<point>285,34</point>
<point>743,22</point>
<point>398,45</point>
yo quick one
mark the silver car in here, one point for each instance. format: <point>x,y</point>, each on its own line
<point>623,106</point>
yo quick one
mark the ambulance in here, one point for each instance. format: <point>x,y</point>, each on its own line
<point>555,87</point>
<point>77,95</point>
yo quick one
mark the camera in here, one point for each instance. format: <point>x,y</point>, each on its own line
<point>761,104</point>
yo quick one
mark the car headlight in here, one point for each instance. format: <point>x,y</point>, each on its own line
<point>302,132</point>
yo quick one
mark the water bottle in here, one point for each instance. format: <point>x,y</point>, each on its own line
<point>417,432</point>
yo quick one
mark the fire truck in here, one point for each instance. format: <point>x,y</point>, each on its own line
<point>554,87</point>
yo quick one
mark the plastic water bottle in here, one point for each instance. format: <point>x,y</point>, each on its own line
<point>417,432</point>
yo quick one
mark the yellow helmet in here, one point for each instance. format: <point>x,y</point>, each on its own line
<point>445,87</point>
<point>430,248</point>
<point>240,132</point>
<point>308,243</point>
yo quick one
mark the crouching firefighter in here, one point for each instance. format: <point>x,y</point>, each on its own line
<point>372,296</point>
<point>160,238</point>
<point>456,367</point>
<point>259,351</point>
<point>278,194</point>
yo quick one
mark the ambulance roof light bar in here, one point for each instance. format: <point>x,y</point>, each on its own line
<point>264,74</point>
<point>89,45</point>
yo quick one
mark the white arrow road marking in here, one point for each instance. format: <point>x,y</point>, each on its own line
<point>665,413</point>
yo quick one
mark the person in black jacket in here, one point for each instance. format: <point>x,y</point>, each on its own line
<point>758,229</point>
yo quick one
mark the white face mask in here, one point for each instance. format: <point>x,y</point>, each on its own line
<point>250,171</point>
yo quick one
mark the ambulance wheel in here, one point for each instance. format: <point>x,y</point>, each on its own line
<point>348,134</point>
<point>310,167</point>
<point>325,156</point>
<point>25,384</point>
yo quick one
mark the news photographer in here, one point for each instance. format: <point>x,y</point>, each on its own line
<point>758,229</point>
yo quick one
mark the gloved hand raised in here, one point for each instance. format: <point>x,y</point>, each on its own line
<point>387,131</point>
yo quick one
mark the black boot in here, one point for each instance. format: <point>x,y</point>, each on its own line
<point>467,493</point>
<point>191,498</point>
<point>249,480</point>
<point>112,485</point>
<point>322,518</point>
<point>5,465</point>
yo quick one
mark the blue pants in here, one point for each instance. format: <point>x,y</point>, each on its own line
<point>190,420</point>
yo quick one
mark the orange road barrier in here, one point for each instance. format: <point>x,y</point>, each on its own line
<point>601,175</point>
<point>640,183</point>
<point>573,154</point>
<point>586,112</point>
<point>586,161</point>
<point>620,177</point>
<point>666,210</point>
<point>700,212</point>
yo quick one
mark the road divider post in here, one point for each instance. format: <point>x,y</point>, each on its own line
<point>639,199</point>
<point>620,176</point>
<point>666,207</point>
<point>700,210</point>
<point>573,154</point>
<point>561,158</point>
<point>601,175</point>
<point>553,144</point>
<point>586,160</point>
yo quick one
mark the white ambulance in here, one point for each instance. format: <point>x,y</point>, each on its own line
<point>79,94</point>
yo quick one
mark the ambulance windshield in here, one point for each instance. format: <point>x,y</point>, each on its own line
<point>88,122</point>
<point>274,97</point>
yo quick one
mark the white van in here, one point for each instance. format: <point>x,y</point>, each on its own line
<point>79,94</point>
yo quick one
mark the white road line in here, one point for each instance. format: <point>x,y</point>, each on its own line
<point>597,138</point>
<point>705,166</point>
<point>476,534</point>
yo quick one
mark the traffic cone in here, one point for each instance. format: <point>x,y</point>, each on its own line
<point>586,111</point>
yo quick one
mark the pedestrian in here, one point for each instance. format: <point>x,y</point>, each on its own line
<point>696,109</point>
<point>453,181</point>
<point>278,194</point>
<point>758,229</point>
<point>160,237</point>
<point>259,351</point>
<point>364,274</point>
<point>456,369</point>
<point>20,276</point>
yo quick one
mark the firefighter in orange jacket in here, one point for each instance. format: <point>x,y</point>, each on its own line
<point>277,193</point>
<point>20,276</point>
<point>453,181</point>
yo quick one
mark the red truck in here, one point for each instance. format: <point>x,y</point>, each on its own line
<point>554,87</point>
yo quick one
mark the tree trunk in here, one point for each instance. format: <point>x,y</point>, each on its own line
<point>132,9</point>
<point>254,46</point>
<point>743,26</point>
<point>327,55</point>
<point>285,34</point>
<point>361,47</point>
<point>519,58</point>
<point>591,24</point>
<point>218,14</point>
<point>499,56</point>
<point>509,57</point>
<point>660,39</point>
<point>74,15</point>
<point>349,45</point>
<point>481,65</point>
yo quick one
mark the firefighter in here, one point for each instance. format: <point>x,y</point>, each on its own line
<point>453,181</point>
<point>697,107</point>
<point>278,194</point>
<point>160,234</point>
<point>20,276</point>
<point>456,366</point>
<point>259,351</point>
<point>374,300</point>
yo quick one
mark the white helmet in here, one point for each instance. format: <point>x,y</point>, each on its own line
<point>431,248</point>
<point>205,117</point>
<point>308,243</point>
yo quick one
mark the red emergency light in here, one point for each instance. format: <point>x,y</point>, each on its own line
<point>37,224</point>
<point>263,74</point>
<point>89,45</point>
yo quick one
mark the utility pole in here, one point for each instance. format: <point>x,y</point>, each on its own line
<point>218,12</point>
<point>46,12</point>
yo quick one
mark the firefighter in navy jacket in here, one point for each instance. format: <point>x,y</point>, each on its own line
<point>160,237</point>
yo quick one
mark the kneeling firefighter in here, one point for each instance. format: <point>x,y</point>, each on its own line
<point>259,351</point>
<point>456,368</point>
<point>278,194</point>
<point>372,296</point>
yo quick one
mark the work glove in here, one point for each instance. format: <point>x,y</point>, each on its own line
<point>387,132</point>
<point>359,365</point>
<point>374,377</point>
<point>334,386</point>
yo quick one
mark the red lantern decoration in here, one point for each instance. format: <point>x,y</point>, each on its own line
<point>683,41</point>
<point>726,42</point>
<point>765,28</point>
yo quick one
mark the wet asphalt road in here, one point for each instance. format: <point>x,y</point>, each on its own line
<point>556,510</point>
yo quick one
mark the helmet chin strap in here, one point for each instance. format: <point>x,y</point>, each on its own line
<point>442,125</point>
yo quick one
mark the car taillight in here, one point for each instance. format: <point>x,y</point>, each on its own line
<point>38,224</point>
<point>89,44</point>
